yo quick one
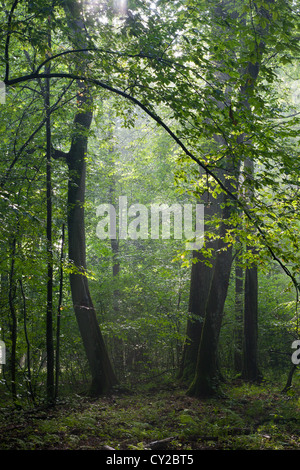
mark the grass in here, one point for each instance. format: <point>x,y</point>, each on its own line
<point>247,418</point>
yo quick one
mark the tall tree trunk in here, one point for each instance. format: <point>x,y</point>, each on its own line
<point>251,370</point>
<point>201,274</point>
<point>13,314</point>
<point>28,352</point>
<point>216,284</point>
<point>250,359</point>
<point>49,307</point>
<point>117,344</point>
<point>238,307</point>
<point>205,382</point>
<point>58,318</point>
<point>206,376</point>
<point>250,355</point>
<point>103,377</point>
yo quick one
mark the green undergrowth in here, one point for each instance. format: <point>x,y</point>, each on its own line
<point>248,417</point>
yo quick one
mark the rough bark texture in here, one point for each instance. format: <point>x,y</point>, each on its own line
<point>238,331</point>
<point>250,353</point>
<point>206,376</point>
<point>250,361</point>
<point>103,377</point>
<point>13,324</point>
<point>201,275</point>
<point>205,383</point>
<point>49,313</point>
<point>200,281</point>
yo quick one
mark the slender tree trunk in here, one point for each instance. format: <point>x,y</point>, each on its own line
<point>57,356</point>
<point>117,344</point>
<point>251,370</point>
<point>11,301</point>
<point>49,315</point>
<point>27,342</point>
<point>238,329</point>
<point>103,377</point>
<point>288,384</point>
<point>250,354</point>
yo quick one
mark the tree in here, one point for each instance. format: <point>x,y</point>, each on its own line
<point>103,377</point>
<point>206,378</point>
<point>201,275</point>
<point>49,318</point>
<point>251,370</point>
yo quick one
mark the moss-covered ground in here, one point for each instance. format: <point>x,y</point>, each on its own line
<point>248,417</point>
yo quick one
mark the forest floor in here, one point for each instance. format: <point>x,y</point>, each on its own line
<point>159,416</point>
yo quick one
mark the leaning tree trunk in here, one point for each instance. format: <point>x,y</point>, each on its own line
<point>103,377</point>
<point>205,382</point>
<point>206,376</point>
<point>199,287</point>
<point>206,371</point>
<point>201,274</point>
<point>49,310</point>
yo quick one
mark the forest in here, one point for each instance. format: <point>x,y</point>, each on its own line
<point>149,200</point>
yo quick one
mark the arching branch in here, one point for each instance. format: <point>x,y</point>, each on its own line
<point>158,120</point>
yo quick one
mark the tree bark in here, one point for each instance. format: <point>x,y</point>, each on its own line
<point>13,328</point>
<point>103,377</point>
<point>205,383</point>
<point>201,274</point>
<point>238,329</point>
<point>288,384</point>
<point>49,307</point>
<point>58,318</point>
<point>251,370</point>
<point>206,377</point>
<point>250,358</point>
<point>200,281</point>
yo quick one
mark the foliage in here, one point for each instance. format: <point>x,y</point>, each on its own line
<point>250,418</point>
